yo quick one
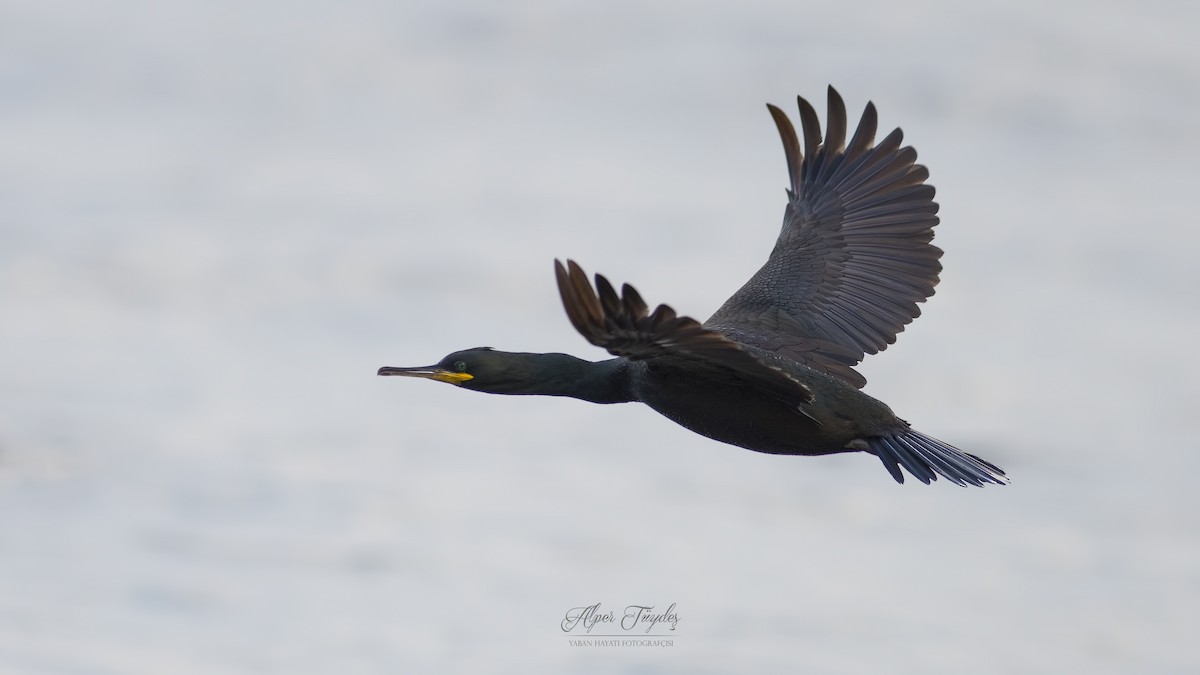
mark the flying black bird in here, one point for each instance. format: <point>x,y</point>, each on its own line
<point>772,370</point>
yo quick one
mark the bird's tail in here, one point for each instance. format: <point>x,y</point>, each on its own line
<point>926,458</point>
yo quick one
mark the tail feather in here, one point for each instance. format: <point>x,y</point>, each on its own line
<point>926,458</point>
<point>950,466</point>
<point>916,464</point>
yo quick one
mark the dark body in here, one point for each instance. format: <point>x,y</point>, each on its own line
<point>837,415</point>
<point>773,369</point>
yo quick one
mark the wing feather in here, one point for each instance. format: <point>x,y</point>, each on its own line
<point>623,325</point>
<point>854,256</point>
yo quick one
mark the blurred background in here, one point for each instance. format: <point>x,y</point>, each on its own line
<point>217,219</point>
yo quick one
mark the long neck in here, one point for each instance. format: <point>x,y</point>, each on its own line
<point>596,381</point>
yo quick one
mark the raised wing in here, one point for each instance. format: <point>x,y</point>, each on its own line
<point>625,327</point>
<point>853,258</point>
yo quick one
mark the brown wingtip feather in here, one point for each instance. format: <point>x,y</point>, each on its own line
<point>835,117</point>
<point>864,135</point>
<point>810,125</point>
<point>791,146</point>
<point>610,302</point>
<point>632,300</point>
<point>580,302</point>
<point>565,294</point>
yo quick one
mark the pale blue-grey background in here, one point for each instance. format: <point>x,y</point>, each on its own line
<point>217,219</point>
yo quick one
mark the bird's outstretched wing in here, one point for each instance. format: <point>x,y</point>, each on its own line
<point>853,258</point>
<point>624,326</point>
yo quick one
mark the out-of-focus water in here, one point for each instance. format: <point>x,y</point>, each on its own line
<point>217,220</point>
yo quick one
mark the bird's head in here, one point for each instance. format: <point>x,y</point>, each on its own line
<point>458,368</point>
<point>488,370</point>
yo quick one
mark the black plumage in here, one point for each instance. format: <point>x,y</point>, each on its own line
<point>773,369</point>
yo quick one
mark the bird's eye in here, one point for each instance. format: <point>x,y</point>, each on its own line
<point>460,366</point>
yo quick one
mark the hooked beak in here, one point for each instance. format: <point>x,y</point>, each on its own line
<point>427,372</point>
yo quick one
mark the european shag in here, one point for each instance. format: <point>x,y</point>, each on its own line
<point>772,370</point>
